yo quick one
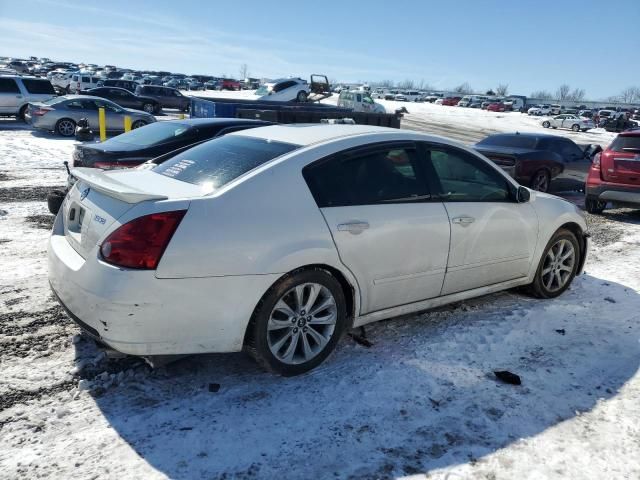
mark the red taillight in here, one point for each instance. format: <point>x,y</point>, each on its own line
<point>141,242</point>
<point>41,111</point>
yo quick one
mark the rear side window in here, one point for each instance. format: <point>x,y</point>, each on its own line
<point>626,144</point>
<point>8,85</point>
<point>515,141</point>
<point>384,175</point>
<point>38,86</point>
<point>217,162</point>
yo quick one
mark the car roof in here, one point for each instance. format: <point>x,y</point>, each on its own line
<point>204,122</point>
<point>308,134</point>
<point>528,135</point>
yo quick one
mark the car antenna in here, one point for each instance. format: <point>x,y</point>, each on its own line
<point>66,165</point>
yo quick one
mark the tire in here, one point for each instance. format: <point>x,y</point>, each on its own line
<point>575,128</point>
<point>138,124</point>
<point>594,206</point>
<point>54,200</point>
<point>22,113</point>
<point>546,124</point>
<point>149,107</point>
<point>301,97</point>
<point>558,265</point>
<point>540,181</point>
<point>65,127</point>
<point>276,351</point>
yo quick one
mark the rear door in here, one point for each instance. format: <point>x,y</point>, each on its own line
<point>10,95</point>
<point>492,236</point>
<point>387,230</point>
<point>621,161</point>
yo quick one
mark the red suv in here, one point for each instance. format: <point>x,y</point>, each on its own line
<point>451,101</point>
<point>229,84</point>
<point>614,175</point>
<point>496,107</point>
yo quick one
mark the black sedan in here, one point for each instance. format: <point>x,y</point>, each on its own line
<point>125,98</point>
<point>542,162</point>
<point>154,140</point>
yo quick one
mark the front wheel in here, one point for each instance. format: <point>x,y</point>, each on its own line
<point>298,323</point>
<point>540,181</point>
<point>558,265</point>
<point>594,206</point>
<point>66,127</point>
<point>149,107</point>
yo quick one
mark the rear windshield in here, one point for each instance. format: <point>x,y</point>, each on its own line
<point>38,86</point>
<point>153,133</point>
<point>515,141</point>
<point>624,143</point>
<point>217,162</point>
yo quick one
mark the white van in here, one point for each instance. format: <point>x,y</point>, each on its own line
<point>359,101</point>
<point>83,81</point>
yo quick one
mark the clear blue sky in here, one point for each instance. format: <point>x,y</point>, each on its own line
<point>530,45</point>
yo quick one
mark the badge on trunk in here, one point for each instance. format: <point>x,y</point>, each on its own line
<point>84,193</point>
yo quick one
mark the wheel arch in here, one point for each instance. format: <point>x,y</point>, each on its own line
<point>582,237</point>
<point>349,290</point>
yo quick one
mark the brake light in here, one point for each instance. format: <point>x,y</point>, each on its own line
<point>41,111</point>
<point>141,242</point>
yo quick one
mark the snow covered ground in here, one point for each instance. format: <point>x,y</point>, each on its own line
<point>421,402</point>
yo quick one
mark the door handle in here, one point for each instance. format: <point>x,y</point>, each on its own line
<point>354,227</point>
<point>463,220</point>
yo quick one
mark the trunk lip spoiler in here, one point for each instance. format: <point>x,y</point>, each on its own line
<point>96,178</point>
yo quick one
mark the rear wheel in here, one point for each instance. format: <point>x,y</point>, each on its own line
<point>298,323</point>
<point>546,124</point>
<point>302,96</point>
<point>575,128</point>
<point>558,265</point>
<point>22,113</point>
<point>594,206</point>
<point>149,107</point>
<point>65,127</point>
<point>138,124</point>
<point>540,181</point>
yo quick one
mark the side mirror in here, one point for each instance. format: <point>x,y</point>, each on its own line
<point>523,194</point>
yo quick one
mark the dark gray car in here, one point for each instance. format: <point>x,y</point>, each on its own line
<point>166,96</point>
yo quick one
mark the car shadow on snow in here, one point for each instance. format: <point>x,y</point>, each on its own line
<point>422,397</point>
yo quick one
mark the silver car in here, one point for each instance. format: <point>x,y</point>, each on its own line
<point>571,122</point>
<point>61,114</point>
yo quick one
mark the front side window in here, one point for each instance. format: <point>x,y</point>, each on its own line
<point>463,177</point>
<point>38,86</point>
<point>383,175</point>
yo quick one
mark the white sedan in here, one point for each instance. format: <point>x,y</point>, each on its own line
<point>572,122</point>
<point>277,240</point>
<point>540,110</point>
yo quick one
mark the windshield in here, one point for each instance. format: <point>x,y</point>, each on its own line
<point>263,90</point>
<point>515,141</point>
<point>154,133</point>
<point>217,162</point>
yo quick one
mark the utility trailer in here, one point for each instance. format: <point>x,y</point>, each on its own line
<point>285,112</point>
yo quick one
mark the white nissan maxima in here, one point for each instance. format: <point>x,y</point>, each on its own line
<point>277,240</point>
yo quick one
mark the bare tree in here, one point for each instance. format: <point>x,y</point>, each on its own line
<point>502,89</point>
<point>463,88</point>
<point>406,84</point>
<point>563,92</point>
<point>244,71</point>
<point>490,92</point>
<point>541,95</point>
<point>630,95</point>
<point>576,95</point>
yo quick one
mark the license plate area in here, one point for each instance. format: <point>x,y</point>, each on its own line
<point>76,218</point>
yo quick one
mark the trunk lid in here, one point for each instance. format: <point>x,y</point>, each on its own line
<point>99,198</point>
<point>620,163</point>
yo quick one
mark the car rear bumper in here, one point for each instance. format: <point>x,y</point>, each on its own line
<point>615,193</point>
<point>136,313</point>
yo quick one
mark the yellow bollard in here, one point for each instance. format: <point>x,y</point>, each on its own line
<point>102,121</point>
<point>127,123</point>
<point>181,116</point>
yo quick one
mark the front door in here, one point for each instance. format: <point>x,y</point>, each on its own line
<point>387,231</point>
<point>493,237</point>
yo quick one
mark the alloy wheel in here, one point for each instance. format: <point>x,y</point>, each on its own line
<point>302,323</point>
<point>540,181</point>
<point>66,128</point>
<point>558,265</point>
